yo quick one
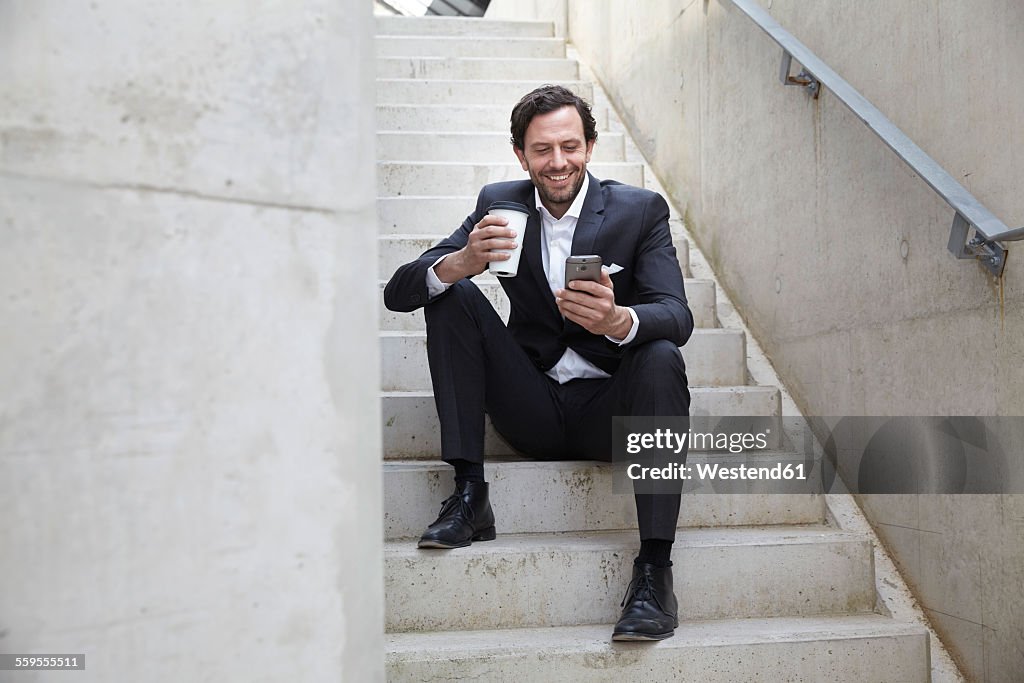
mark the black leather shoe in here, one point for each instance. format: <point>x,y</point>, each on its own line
<point>650,610</point>
<point>465,516</point>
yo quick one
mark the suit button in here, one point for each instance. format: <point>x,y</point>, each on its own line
<point>415,298</point>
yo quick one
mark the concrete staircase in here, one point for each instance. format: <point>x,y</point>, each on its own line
<point>770,587</point>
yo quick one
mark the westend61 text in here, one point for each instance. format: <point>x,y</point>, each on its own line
<point>715,472</point>
<point>666,439</point>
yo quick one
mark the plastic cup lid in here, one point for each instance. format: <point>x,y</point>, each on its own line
<point>509,206</point>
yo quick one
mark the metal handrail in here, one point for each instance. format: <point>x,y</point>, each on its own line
<point>970,213</point>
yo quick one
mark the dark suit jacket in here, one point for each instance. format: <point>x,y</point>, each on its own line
<point>625,225</point>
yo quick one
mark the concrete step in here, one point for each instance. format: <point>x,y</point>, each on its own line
<point>499,93</point>
<point>714,358</point>
<point>411,427</point>
<point>440,215</point>
<point>437,215</point>
<point>396,178</point>
<point>425,215</point>
<point>546,497</point>
<point>848,649</point>
<point>474,147</point>
<point>570,579</point>
<point>414,322</point>
<point>397,249</point>
<point>463,26</point>
<point>700,293</point>
<point>504,47</point>
<point>468,118</point>
<point>480,68</point>
<point>387,263</point>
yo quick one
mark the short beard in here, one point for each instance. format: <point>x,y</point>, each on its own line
<point>571,193</point>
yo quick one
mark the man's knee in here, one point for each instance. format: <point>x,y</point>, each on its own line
<point>657,380</point>
<point>659,358</point>
<point>461,297</point>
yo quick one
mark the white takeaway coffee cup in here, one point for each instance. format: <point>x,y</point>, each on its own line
<point>516,215</point>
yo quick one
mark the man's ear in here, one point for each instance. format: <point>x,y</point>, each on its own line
<point>522,158</point>
<point>590,149</point>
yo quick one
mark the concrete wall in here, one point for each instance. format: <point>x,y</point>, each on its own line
<point>792,195</point>
<point>804,212</point>
<point>555,11</point>
<point>189,444</point>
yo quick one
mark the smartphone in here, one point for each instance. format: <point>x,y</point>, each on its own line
<point>582,268</point>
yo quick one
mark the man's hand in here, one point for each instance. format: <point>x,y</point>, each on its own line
<point>472,259</point>
<point>592,306</point>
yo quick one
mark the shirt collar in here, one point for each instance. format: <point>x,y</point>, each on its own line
<point>574,209</point>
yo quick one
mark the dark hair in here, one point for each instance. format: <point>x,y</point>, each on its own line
<point>543,100</point>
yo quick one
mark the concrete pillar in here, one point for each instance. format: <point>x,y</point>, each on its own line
<point>189,420</point>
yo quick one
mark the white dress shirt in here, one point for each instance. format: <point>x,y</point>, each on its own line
<point>555,247</point>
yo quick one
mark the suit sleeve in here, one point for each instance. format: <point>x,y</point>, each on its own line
<point>406,291</point>
<point>662,308</point>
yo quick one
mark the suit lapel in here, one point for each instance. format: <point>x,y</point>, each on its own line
<point>590,221</point>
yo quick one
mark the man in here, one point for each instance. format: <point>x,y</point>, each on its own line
<point>571,357</point>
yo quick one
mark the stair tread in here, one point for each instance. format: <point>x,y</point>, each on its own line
<point>441,90</point>
<point>424,237</point>
<point>483,281</point>
<point>457,40</point>
<point>472,137</point>
<point>445,107</point>
<point>597,637</point>
<point>472,133</point>
<point>508,545</point>
<point>837,648</point>
<point>739,388</point>
<point>537,496</point>
<point>471,198</point>
<point>702,331</point>
<point>519,461</point>
<point>471,67</point>
<point>527,84</point>
<point>695,281</point>
<point>484,28</point>
<point>397,162</point>
<point>520,580</point>
<point>471,58</point>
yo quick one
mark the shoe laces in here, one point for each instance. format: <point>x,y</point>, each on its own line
<point>641,588</point>
<point>449,504</point>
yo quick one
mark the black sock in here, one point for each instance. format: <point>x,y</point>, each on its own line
<point>467,471</point>
<point>655,551</point>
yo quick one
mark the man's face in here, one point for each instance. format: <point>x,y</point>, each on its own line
<point>555,154</point>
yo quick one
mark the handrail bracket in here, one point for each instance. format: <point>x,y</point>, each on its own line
<point>976,233</point>
<point>804,78</point>
<point>989,253</point>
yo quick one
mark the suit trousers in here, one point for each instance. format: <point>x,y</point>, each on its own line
<point>477,366</point>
